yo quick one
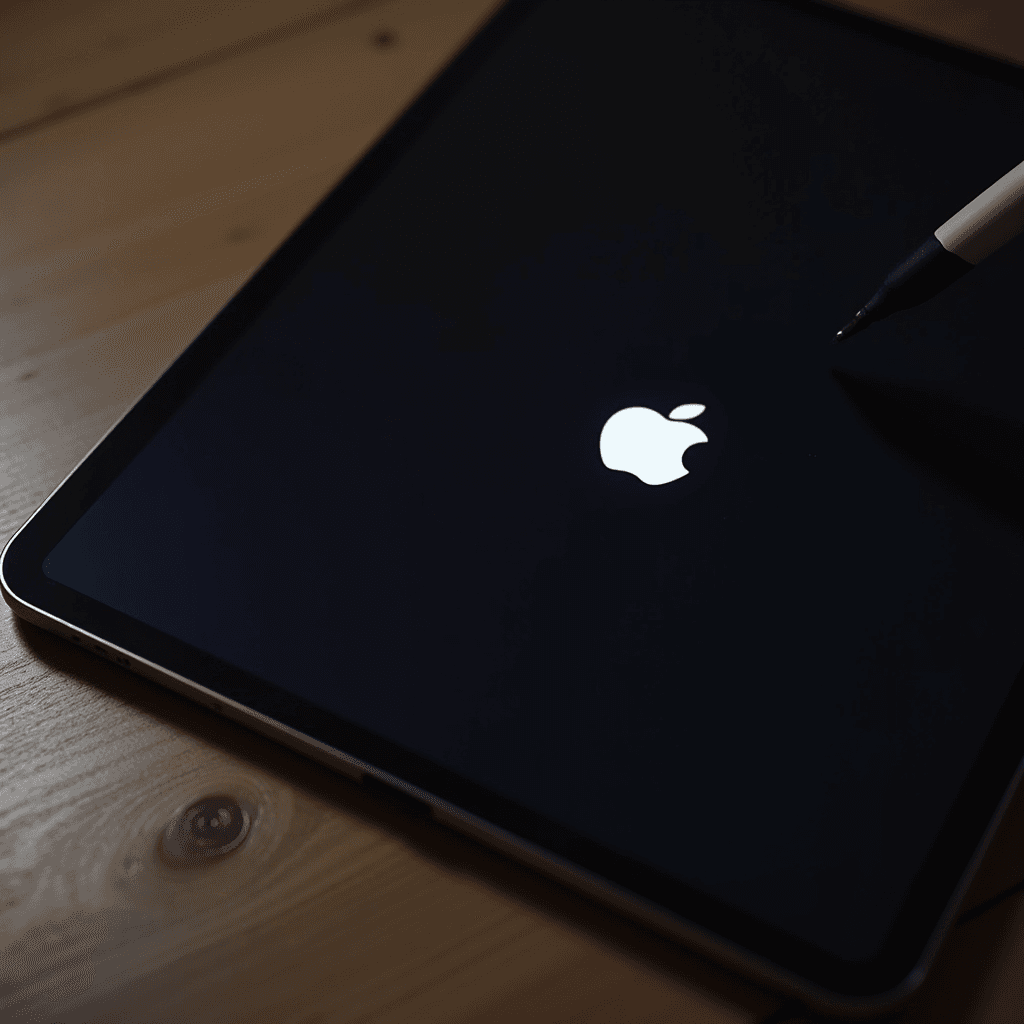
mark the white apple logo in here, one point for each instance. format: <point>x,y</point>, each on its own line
<point>642,442</point>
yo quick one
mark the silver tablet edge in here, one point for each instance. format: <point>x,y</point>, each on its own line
<point>609,894</point>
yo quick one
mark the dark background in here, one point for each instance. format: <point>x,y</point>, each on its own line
<point>768,678</point>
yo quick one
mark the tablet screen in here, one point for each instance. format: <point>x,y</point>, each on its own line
<point>400,493</point>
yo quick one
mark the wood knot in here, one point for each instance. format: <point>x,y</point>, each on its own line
<point>209,828</point>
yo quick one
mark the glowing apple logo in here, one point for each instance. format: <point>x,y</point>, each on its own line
<point>642,442</point>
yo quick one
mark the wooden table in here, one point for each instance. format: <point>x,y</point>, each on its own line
<point>152,153</point>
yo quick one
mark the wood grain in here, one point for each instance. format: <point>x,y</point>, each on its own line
<point>993,27</point>
<point>155,154</point>
<point>60,57</point>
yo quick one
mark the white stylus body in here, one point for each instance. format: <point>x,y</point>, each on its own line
<point>982,226</point>
<point>988,222</point>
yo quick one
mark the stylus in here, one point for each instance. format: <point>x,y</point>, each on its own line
<point>981,227</point>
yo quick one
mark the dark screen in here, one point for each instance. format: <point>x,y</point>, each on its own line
<point>767,678</point>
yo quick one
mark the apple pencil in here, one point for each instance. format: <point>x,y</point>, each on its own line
<point>981,227</point>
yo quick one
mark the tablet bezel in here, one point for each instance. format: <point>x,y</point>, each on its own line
<point>625,883</point>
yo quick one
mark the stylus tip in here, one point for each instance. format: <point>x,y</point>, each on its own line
<point>856,324</point>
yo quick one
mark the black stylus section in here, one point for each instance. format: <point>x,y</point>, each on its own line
<point>925,272</point>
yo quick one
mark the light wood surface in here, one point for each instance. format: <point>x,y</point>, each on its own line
<point>151,155</point>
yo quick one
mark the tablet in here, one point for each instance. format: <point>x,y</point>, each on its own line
<point>523,478</point>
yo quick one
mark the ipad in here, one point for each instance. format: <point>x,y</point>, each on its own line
<point>524,478</point>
